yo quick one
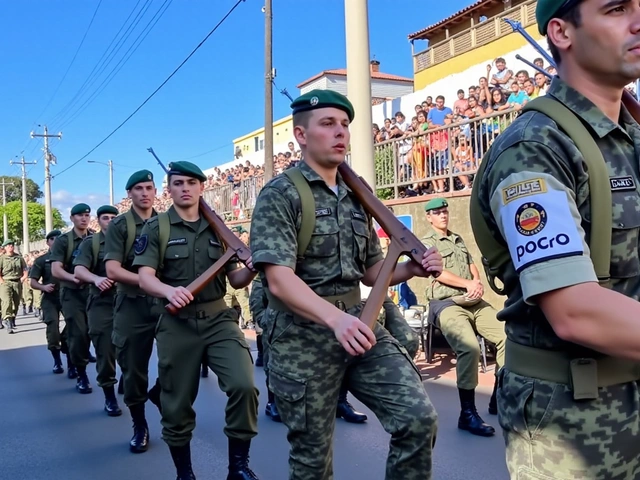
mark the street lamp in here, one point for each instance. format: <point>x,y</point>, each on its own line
<point>110,165</point>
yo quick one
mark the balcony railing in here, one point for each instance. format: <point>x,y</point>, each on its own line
<point>474,37</point>
<point>405,167</point>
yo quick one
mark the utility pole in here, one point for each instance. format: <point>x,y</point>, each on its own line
<point>268,92</point>
<point>25,216</point>
<point>110,165</point>
<point>359,88</point>
<point>47,177</point>
<point>4,205</point>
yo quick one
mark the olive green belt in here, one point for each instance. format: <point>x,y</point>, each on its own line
<point>344,302</point>
<point>202,310</point>
<point>583,375</point>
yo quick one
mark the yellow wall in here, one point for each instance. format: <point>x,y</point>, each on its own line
<point>282,133</point>
<point>460,63</point>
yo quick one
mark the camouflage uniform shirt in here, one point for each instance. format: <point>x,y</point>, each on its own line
<point>535,196</point>
<point>344,243</point>
<point>455,259</point>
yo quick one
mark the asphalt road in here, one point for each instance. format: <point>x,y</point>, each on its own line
<point>50,432</point>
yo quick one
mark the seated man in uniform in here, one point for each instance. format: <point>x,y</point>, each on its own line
<point>457,308</point>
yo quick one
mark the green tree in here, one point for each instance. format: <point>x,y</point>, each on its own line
<point>36,215</point>
<point>384,170</point>
<point>14,192</point>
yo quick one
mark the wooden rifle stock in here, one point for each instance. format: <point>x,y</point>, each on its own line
<point>632,105</point>
<point>403,242</point>
<point>235,248</point>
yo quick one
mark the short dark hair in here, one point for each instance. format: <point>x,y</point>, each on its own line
<point>571,16</point>
<point>302,118</point>
<point>440,97</point>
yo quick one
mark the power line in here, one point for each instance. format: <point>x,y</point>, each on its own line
<point>208,151</point>
<point>125,58</point>
<point>156,90</point>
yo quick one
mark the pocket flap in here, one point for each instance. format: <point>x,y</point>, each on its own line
<point>292,390</point>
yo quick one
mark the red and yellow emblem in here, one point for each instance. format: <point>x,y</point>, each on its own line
<point>531,218</point>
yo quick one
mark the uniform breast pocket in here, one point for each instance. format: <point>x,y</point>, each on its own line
<point>215,252</point>
<point>176,262</point>
<point>625,235</point>
<point>360,238</point>
<point>448,258</point>
<point>325,239</point>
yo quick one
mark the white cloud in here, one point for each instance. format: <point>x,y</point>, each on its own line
<point>64,201</point>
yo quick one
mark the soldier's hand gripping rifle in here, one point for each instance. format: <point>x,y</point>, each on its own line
<point>235,247</point>
<point>627,99</point>
<point>403,242</point>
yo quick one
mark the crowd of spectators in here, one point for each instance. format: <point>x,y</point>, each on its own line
<point>228,182</point>
<point>439,136</point>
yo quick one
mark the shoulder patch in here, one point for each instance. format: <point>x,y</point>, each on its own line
<point>177,241</point>
<point>141,244</point>
<point>523,189</point>
<point>540,229</point>
<point>323,212</point>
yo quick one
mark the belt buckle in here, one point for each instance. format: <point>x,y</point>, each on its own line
<point>341,305</point>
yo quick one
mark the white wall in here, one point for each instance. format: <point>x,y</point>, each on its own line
<point>448,86</point>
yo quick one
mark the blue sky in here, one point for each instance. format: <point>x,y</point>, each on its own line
<point>216,96</point>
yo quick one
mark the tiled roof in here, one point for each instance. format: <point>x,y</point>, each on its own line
<point>421,34</point>
<point>343,72</point>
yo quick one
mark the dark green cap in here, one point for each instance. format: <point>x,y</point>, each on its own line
<point>435,203</point>
<point>107,209</point>
<point>323,99</point>
<point>187,169</point>
<point>139,177</point>
<point>8,242</point>
<point>53,234</point>
<point>80,208</point>
<point>548,9</point>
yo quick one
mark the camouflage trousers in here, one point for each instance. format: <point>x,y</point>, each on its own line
<point>550,436</point>
<point>307,366</point>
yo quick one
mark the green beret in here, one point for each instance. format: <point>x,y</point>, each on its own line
<point>187,169</point>
<point>53,234</point>
<point>323,99</point>
<point>107,209</point>
<point>8,242</point>
<point>435,203</point>
<point>548,9</point>
<point>80,208</point>
<point>139,177</point>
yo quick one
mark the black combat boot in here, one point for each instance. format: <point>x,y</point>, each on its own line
<point>111,402</point>
<point>121,385</point>
<point>140,441</point>
<point>345,410</point>
<point>270,409</point>
<point>239,460</point>
<point>182,460</point>
<point>493,403</point>
<point>469,419</point>
<point>259,359</point>
<point>24,309</point>
<point>204,365</point>
<point>72,372</point>
<point>30,311</point>
<point>57,361</point>
<point>82,383</point>
<point>154,395</point>
<point>91,358</point>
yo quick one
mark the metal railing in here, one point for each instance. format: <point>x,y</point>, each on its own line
<point>440,160</point>
<point>476,36</point>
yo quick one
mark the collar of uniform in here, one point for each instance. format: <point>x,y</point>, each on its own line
<point>438,236</point>
<point>585,108</point>
<point>174,218</point>
<point>312,176</point>
<point>138,219</point>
